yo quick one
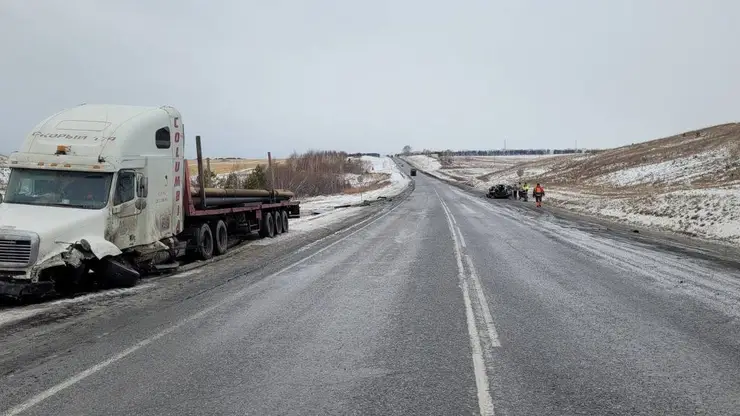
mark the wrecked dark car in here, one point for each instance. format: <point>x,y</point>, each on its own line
<point>500,191</point>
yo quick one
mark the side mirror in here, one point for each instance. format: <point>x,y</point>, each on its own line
<point>143,190</point>
<point>140,203</point>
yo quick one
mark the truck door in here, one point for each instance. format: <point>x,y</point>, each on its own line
<point>125,210</point>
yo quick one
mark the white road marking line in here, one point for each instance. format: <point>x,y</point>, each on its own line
<point>460,236</point>
<point>492,333</point>
<point>485,402</point>
<point>40,397</point>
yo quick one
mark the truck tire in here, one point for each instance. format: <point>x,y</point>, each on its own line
<point>278,223</point>
<point>204,242</point>
<point>284,218</point>
<point>267,228</point>
<point>221,237</point>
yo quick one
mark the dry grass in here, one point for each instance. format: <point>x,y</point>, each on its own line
<point>371,187</point>
<point>714,150</point>
<point>227,165</point>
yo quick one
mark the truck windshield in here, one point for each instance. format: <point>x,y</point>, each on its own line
<point>88,190</point>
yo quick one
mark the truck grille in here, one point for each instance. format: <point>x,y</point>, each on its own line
<point>18,248</point>
<point>15,251</point>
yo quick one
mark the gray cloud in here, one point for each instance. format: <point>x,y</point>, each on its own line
<point>253,76</point>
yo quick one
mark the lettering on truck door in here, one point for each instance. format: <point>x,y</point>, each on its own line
<point>179,163</point>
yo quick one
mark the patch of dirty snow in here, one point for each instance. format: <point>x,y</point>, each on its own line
<point>13,315</point>
<point>308,223</point>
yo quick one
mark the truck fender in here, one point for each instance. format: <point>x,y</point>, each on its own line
<point>99,246</point>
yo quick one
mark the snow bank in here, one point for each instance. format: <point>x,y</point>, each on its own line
<point>425,163</point>
<point>712,213</point>
<point>681,170</point>
<point>394,183</point>
<point>429,165</point>
<point>318,212</point>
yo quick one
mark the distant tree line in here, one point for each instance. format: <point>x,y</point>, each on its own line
<point>363,154</point>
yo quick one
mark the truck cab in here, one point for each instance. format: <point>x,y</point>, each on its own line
<point>90,183</point>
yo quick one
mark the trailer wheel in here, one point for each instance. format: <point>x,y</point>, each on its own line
<point>267,228</point>
<point>221,239</point>
<point>284,218</point>
<point>278,223</point>
<point>204,242</point>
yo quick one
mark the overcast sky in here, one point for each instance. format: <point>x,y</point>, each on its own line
<point>252,76</point>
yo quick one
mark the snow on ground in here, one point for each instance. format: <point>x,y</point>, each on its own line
<point>425,163</point>
<point>681,170</point>
<point>9,316</point>
<point>395,182</point>
<point>712,213</point>
<point>429,165</point>
<point>241,174</point>
<point>320,211</point>
<point>670,202</point>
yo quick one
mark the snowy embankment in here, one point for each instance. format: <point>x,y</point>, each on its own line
<point>691,192</point>
<point>382,179</point>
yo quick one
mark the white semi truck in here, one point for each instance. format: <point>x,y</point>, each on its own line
<point>101,194</point>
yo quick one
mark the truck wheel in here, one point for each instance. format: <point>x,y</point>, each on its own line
<point>284,218</point>
<point>204,242</point>
<point>267,228</point>
<point>278,223</point>
<point>221,235</point>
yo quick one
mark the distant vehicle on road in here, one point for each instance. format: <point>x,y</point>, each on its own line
<point>413,172</point>
<point>500,191</point>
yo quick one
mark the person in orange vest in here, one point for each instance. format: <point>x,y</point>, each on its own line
<point>539,192</point>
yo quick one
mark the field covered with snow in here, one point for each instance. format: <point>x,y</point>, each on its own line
<point>688,183</point>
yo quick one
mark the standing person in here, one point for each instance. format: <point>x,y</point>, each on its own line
<point>525,190</point>
<point>518,191</point>
<point>539,192</point>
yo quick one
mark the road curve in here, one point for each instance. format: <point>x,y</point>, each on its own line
<point>448,304</point>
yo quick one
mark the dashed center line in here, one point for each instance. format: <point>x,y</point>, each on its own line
<point>485,401</point>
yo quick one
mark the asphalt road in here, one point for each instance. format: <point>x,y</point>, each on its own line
<point>447,304</point>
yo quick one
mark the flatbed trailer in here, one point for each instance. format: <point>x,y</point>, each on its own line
<point>208,228</point>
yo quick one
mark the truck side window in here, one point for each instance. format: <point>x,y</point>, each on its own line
<point>125,189</point>
<point>162,138</point>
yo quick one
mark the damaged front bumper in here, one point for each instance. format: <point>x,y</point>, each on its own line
<point>18,289</point>
<point>18,283</point>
